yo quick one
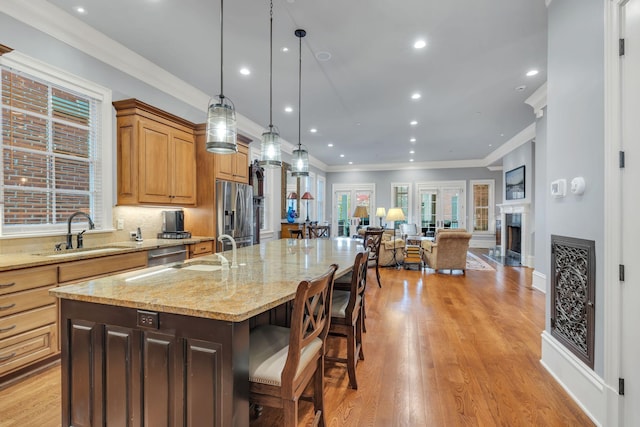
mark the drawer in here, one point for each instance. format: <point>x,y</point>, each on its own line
<point>27,278</point>
<point>89,268</point>
<point>21,350</point>
<point>27,320</point>
<point>25,300</point>
<point>202,248</point>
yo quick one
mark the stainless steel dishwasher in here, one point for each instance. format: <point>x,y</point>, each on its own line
<point>166,255</point>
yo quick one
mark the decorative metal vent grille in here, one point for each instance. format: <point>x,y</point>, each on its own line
<point>573,295</point>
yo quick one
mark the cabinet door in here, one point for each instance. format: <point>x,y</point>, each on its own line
<point>224,166</point>
<point>183,166</point>
<point>241,165</point>
<point>154,167</point>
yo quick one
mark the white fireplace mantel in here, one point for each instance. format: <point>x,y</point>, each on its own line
<point>524,209</point>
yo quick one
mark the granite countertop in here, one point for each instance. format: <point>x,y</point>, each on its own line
<point>22,260</point>
<point>268,275</point>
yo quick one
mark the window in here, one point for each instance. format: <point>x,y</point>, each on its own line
<point>482,210</point>
<point>52,148</point>
<point>400,197</point>
<point>320,190</point>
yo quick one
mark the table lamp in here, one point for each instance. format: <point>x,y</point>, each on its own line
<point>380,213</point>
<point>361,212</point>
<point>395,214</point>
<point>307,196</point>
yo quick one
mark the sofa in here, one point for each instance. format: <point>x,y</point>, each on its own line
<point>448,251</point>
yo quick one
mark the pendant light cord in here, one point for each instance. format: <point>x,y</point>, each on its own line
<point>271,66</point>
<point>300,35</point>
<point>221,46</point>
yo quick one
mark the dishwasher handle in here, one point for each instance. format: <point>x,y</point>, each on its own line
<point>164,255</point>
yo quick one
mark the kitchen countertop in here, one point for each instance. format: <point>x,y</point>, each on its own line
<point>268,276</point>
<point>14,261</point>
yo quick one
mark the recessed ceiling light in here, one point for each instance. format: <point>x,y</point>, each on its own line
<point>285,49</point>
<point>288,109</point>
<point>350,163</point>
<point>520,88</point>
<point>412,140</point>
<point>330,144</point>
<point>245,71</point>
<point>532,73</point>
<point>412,152</point>
<point>502,134</point>
<point>313,130</point>
<point>413,122</point>
<point>490,145</point>
<point>323,56</point>
<point>341,155</point>
<point>416,96</point>
<point>81,10</point>
<point>411,160</point>
<point>419,44</point>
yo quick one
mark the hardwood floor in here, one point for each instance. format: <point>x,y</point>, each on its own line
<point>440,350</point>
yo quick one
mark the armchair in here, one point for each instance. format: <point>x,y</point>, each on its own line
<point>448,251</point>
<point>387,247</point>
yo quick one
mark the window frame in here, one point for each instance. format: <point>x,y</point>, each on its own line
<point>491,208</point>
<point>408,214</point>
<point>22,63</point>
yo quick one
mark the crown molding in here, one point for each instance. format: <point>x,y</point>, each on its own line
<point>538,100</point>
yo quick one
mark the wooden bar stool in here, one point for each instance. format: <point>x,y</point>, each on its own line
<point>297,234</point>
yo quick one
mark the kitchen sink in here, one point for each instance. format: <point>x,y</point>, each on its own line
<point>76,252</point>
<point>200,266</point>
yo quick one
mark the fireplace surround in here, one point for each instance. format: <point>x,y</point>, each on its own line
<point>517,231</point>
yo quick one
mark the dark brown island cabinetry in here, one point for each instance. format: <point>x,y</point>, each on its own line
<point>124,366</point>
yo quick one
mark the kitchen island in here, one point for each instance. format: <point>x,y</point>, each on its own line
<point>168,345</point>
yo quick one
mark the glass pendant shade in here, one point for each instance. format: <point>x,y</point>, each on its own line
<point>221,127</point>
<point>270,154</point>
<point>300,162</point>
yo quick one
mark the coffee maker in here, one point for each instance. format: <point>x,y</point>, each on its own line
<point>173,225</point>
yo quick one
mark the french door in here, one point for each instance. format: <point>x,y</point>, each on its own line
<point>441,205</point>
<point>346,197</point>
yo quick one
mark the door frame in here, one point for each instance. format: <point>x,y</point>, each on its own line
<point>438,186</point>
<point>353,188</point>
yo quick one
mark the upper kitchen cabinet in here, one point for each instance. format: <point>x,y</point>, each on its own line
<point>156,156</point>
<point>234,167</point>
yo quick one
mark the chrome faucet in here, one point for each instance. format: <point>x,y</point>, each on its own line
<point>234,263</point>
<point>70,236</point>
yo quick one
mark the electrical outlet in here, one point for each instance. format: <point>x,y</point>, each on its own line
<point>148,319</point>
<point>120,224</point>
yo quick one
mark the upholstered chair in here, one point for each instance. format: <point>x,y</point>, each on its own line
<point>448,251</point>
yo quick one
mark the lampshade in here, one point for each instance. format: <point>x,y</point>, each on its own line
<point>395,214</point>
<point>307,196</point>
<point>292,196</point>
<point>360,212</point>
<point>270,148</point>
<point>380,212</point>
<point>300,163</point>
<point>221,114</point>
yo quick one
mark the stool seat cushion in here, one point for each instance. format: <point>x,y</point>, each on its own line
<point>269,345</point>
<point>340,302</point>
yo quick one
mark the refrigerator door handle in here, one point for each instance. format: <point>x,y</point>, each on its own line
<point>233,220</point>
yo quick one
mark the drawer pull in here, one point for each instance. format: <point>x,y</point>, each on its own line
<point>7,285</point>
<point>7,307</point>
<point>3,330</point>
<point>5,358</point>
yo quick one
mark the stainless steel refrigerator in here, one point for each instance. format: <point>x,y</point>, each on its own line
<point>234,204</point>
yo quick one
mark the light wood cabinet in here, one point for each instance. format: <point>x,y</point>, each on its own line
<point>200,249</point>
<point>233,167</point>
<point>28,317</point>
<point>156,161</point>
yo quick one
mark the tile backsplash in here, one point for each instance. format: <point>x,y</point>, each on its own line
<point>149,219</point>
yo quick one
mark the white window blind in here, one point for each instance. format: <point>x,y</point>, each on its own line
<point>52,150</point>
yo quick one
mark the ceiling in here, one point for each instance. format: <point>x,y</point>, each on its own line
<point>477,54</point>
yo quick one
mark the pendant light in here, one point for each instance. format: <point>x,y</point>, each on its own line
<point>270,148</point>
<point>300,166</point>
<point>221,114</point>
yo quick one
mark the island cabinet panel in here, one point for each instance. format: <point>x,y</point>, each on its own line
<point>179,371</point>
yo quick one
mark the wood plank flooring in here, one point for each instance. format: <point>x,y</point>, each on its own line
<point>440,350</point>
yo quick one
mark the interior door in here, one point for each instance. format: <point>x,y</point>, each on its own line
<point>630,68</point>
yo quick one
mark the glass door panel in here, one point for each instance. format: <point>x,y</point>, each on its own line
<point>441,207</point>
<point>428,215</point>
<point>342,214</point>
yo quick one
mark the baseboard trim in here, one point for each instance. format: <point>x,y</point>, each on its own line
<point>584,386</point>
<point>539,281</point>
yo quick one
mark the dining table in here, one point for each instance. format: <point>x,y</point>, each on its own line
<point>169,345</point>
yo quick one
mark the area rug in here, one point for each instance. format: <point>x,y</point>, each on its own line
<point>475,263</point>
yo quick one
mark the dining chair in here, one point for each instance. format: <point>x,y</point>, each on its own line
<point>372,240</point>
<point>347,317</point>
<point>284,361</point>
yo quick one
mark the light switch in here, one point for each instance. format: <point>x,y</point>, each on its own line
<point>120,224</point>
